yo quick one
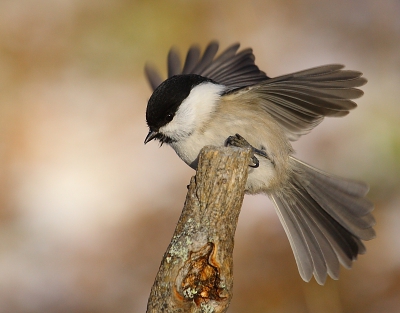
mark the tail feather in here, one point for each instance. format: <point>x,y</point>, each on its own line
<point>297,240</point>
<point>325,218</point>
<point>329,263</point>
<point>342,199</point>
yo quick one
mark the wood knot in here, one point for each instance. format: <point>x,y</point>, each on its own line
<point>199,277</point>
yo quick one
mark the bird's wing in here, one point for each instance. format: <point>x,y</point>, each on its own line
<point>300,101</point>
<point>231,68</point>
<point>297,101</point>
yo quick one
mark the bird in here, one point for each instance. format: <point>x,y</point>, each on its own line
<point>226,100</point>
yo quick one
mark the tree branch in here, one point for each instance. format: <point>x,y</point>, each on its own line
<point>196,273</point>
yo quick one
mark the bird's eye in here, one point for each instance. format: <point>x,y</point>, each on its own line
<point>169,117</point>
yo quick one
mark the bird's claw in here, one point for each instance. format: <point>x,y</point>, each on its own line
<point>237,141</point>
<point>240,142</point>
<point>255,161</point>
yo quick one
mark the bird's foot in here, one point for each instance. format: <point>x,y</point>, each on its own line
<point>239,141</point>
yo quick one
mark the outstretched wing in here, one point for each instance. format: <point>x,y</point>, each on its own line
<point>231,68</point>
<point>300,101</point>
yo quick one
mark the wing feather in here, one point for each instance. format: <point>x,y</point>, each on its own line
<point>192,58</point>
<point>231,68</point>
<point>301,100</point>
<point>153,76</point>
<point>207,59</point>
<point>174,63</point>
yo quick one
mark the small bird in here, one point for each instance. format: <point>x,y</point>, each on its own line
<point>227,100</point>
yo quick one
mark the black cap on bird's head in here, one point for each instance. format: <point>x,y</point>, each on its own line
<point>165,101</point>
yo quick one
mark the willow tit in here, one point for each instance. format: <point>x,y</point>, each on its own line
<point>227,100</point>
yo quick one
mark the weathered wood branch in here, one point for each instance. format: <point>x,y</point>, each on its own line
<point>196,273</point>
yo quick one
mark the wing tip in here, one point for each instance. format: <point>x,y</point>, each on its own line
<point>152,75</point>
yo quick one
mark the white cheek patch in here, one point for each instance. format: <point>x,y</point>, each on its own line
<point>193,111</point>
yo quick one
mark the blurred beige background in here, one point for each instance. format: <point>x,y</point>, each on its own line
<point>87,211</point>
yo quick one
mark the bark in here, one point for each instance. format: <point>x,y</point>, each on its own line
<point>196,273</point>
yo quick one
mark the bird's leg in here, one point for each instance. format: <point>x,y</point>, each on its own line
<point>239,141</point>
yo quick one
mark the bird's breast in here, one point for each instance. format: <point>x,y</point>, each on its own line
<point>189,149</point>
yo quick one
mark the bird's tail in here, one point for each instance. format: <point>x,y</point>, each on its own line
<point>325,218</point>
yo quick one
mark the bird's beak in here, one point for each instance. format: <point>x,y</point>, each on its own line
<point>150,136</point>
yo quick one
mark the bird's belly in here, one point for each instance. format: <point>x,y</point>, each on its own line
<point>261,179</point>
